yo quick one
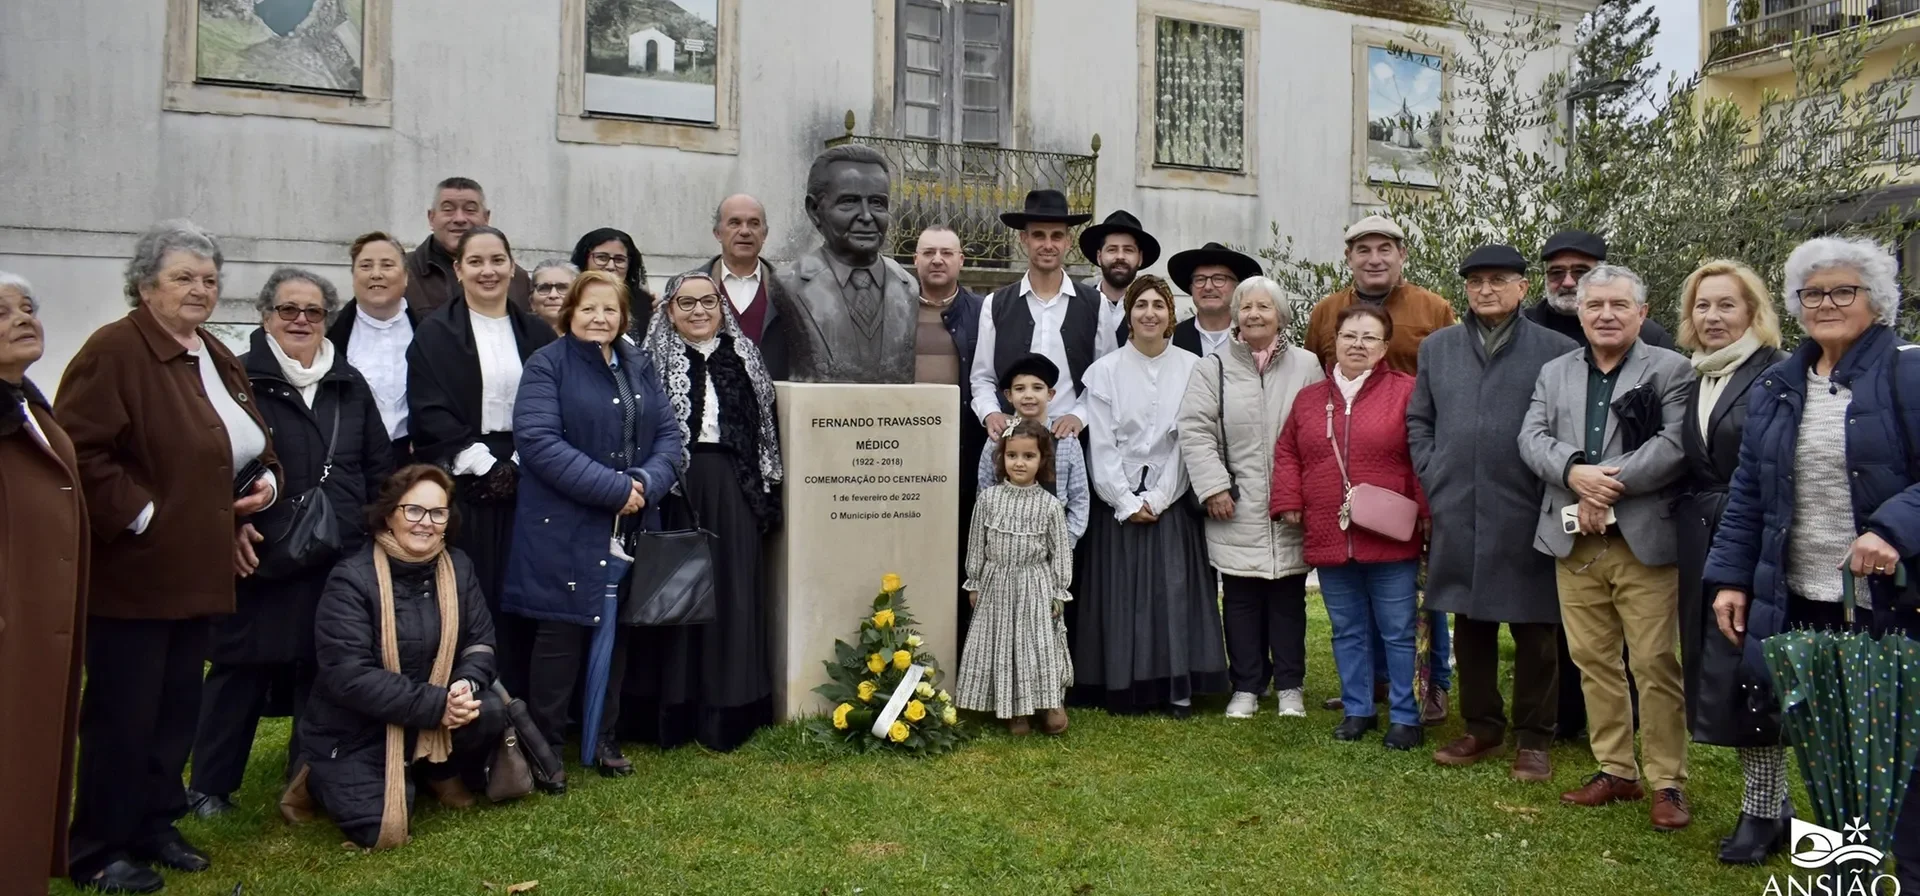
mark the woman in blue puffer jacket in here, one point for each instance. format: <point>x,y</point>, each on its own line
<point>1827,472</point>
<point>599,449</point>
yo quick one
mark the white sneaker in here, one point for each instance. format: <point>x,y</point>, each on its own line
<point>1293,703</point>
<point>1243,705</point>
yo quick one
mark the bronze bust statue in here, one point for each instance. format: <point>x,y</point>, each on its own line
<point>852,310</point>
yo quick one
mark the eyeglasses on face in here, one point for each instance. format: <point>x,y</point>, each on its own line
<point>1557,274</point>
<point>708,302</point>
<point>550,287</point>
<point>608,260</point>
<point>1365,340</point>
<point>415,513</point>
<point>1476,284</point>
<point>1841,296</point>
<point>1224,281</point>
<point>295,312</point>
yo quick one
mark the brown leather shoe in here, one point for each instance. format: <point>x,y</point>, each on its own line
<point>451,793</point>
<point>1018,726</point>
<point>1053,721</point>
<point>1434,712</point>
<point>1602,789</point>
<point>1467,750</point>
<point>1531,766</point>
<point>1333,703</point>
<point>1670,812</point>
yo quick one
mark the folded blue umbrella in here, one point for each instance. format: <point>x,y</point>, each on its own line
<point>600,654</point>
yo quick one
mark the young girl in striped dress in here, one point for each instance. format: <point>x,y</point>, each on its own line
<point>1019,564</point>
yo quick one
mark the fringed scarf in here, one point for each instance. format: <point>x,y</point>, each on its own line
<point>432,744</point>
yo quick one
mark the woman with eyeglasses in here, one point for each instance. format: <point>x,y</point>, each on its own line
<point>616,253</point>
<point>1827,474</point>
<point>405,670</point>
<point>325,425</point>
<point>463,374</point>
<point>1347,430</point>
<point>713,683</point>
<point>551,280</point>
<point>599,450</point>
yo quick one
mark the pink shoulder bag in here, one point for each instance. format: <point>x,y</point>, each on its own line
<point>1382,511</point>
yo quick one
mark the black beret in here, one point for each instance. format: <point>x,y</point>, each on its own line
<point>1575,241</point>
<point>1505,258</point>
<point>1034,364</point>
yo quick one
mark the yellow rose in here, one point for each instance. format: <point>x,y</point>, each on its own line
<point>901,660</point>
<point>876,662</point>
<point>840,715</point>
<point>883,619</point>
<point>890,583</point>
<point>949,715</point>
<point>916,710</point>
<point>866,690</point>
<point>924,690</point>
<point>898,732</point>
<point>914,641</point>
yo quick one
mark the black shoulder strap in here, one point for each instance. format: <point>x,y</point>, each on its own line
<point>1220,409</point>
<point>326,468</point>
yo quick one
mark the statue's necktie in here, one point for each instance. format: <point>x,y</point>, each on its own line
<point>864,303</point>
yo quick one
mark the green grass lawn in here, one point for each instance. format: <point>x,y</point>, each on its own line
<point>1117,806</point>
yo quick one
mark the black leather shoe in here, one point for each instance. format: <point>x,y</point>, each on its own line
<point>122,876</point>
<point>608,759</point>
<point>1405,737</point>
<point>1352,727</point>
<point>177,854</point>
<point>208,805</point>
<point>1754,840</point>
<point>1178,711</point>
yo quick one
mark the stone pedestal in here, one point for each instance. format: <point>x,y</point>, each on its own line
<point>872,487</point>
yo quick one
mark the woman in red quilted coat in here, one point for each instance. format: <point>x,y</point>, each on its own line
<point>1349,429</point>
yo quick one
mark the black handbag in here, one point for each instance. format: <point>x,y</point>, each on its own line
<point>306,534</point>
<point>523,760</point>
<point>671,580</point>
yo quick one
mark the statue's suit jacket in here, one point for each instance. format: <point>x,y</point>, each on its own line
<point>825,345</point>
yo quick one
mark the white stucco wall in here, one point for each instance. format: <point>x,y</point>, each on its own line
<point>88,158</point>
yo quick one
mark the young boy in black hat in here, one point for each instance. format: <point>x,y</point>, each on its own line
<point>1027,384</point>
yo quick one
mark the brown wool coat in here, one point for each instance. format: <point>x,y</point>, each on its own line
<point>143,430</point>
<point>1415,312</point>
<point>43,583</point>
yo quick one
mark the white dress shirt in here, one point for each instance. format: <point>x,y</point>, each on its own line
<point>709,399</point>
<point>1049,316</point>
<point>1107,338</point>
<point>1212,341</point>
<point>740,290</point>
<point>1133,416</point>
<point>378,349</point>
<point>245,438</point>
<point>499,371</point>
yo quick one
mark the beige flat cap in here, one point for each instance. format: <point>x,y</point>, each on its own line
<point>1372,224</point>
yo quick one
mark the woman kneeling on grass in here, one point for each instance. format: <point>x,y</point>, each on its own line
<point>1019,564</point>
<point>404,651</point>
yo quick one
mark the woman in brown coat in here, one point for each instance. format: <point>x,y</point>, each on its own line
<point>43,583</point>
<point>173,457</point>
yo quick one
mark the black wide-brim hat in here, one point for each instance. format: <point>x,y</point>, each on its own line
<point>1180,267</point>
<point>1043,205</point>
<point>1033,364</point>
<point>1121,221</point>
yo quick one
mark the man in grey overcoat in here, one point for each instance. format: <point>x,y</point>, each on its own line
<point>852,312</point>
<point>1470,397</point>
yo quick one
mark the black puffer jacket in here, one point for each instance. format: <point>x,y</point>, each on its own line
<point>343,732</point>
<point>272,620</point>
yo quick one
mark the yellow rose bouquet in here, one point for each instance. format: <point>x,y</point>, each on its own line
<point>887,656</point>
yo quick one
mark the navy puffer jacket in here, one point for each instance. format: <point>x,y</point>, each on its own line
<point>1750,550</point>
<point>568,426</point>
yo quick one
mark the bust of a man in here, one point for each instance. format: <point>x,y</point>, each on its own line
<point>851,310</point>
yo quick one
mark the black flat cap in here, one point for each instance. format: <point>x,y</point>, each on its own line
<point>1580,241</point>
<point>1034,364</point>
<point>1494,257</point>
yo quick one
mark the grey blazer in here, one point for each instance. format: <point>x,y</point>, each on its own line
<point>826,346</point>
<point>1552,435</point>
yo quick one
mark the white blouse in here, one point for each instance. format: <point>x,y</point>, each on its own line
<point>378,349</point>
<point>499,371</point>
<point>710,400</point>
<point>1133,412</point>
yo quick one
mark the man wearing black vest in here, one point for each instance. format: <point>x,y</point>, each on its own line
<point>1045,313</point>
<point>1209,274</point>
<point>1121,249</point>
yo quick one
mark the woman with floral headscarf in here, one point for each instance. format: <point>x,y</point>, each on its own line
<point>713,683</point>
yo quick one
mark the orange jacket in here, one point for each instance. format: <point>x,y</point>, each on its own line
<point>1415,313</point>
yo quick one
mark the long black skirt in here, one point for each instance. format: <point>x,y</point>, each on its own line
<point>713,683</point>
<point>1147,629</point>
<point>484,532</point>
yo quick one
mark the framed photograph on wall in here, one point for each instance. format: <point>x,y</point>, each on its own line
<point>653,59</point>
<point>304,45</point>
<point>1404,94</point>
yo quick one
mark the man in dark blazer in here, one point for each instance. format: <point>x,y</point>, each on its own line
<point>1045,312</point>
<point>937,260</point>
<point>459,205</point>
<point>1121,249</point>
<point>747,280</point>
<point>1209,274</point>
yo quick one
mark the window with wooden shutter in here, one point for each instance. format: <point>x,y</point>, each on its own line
<point>953,76</point>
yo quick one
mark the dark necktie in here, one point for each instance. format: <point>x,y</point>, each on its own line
<point>864,303</point>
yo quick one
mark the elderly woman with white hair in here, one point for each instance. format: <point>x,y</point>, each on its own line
<point>1235,403</point>
<point>174,457</point>
<point>1826,479</point>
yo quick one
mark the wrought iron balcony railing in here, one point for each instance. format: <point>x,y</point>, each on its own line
<point>966,187</point>
<point>1812,20</point>
<point>1900,142</point>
